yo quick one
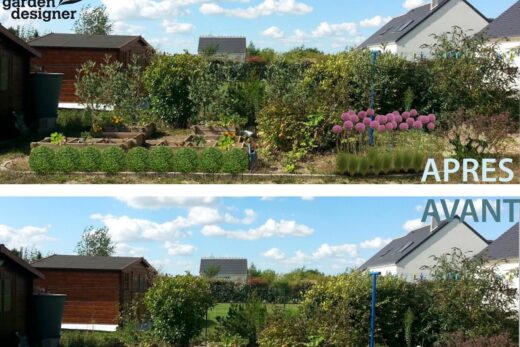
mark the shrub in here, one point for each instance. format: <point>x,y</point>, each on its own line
<point>42,160</point>
<point>67,159</point>
<point>112,160</point>
<point>235,161</point>
<point>364,166</point>
<point>89,159</point>
<point>160,159</point>
<point>342,161</point>
<point>460,339</point>
<point>185,160</point>
<point>89,339</point>
<point>210,160</point>
<point>137,159</point>
<point>353,165</point>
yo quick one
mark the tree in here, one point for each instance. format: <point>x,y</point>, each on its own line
<point>30,255</point>
<point>95,242</point>
<point>253,272</point>
<point>211,271</point>
<point>178,306</point>
<point>26,33</point>
<point>251,50</point>
<point>93,21</point>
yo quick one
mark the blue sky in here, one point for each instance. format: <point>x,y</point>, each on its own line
<point>175,25</point>
<point>330,234</point>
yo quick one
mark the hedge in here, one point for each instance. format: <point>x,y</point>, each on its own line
<point>66,159</point>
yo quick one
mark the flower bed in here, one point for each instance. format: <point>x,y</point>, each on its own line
<point>101,143</point>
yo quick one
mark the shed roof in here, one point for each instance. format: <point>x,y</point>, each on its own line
<point>85,41</point>
<point>222,45</point>
<point>505,247</point>
<point>400,248</point>
<point>401,26</point>
<point>20,262</point>
<point>226,266</point>
<point>506,25</point>
<point>76,262</point>
<point>18,41</point>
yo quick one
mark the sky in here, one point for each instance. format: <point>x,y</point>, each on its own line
<point>328,234</point>
<point>175,25</point>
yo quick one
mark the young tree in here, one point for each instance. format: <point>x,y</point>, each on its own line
<point>25,32</point>
<point>93,21</point>
<point>28,254</point>
<point>95,242</point>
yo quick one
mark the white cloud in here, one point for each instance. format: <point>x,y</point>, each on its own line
<point>327,29</point>
<point>274,253</point>
<point>126,250</point>
<point>148,9</point>
<point>413,224</point>
<point>411,4</point>
<point>204,215</point>
<point>28,236</point>
<point>127,29</point>
<point>308,198</point>
<point>375,21</point>
<point>328,251</point>
<point>177,249</point>
<point>375,243</point>
<point>271,228</point>
<point>266,8</point>
<point>250,217</point>
<point>155,203</point>
<point>275,33</point>
<point>173,27</point>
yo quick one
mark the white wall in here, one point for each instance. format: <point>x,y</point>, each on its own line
<point>385,270</point>
<point>390,48</point>
<point>456,12</point>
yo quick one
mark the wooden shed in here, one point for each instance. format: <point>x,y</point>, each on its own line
<point>15,57</point>
<point>16,289</point>
<point>66,53</point>
<point>97,288</point>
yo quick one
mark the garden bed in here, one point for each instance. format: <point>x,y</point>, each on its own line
<point>129,131</point>
<point>101,143</point>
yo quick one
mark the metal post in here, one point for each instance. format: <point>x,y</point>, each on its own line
<point>372,96</point>
<point>373,312</point>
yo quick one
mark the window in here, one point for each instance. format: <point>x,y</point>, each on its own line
<point>4,73</point>
<point>405,247</point>
<point>405,25</point>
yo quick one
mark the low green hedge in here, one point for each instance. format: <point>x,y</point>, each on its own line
<point>384,163</point>
<point>66,159</point>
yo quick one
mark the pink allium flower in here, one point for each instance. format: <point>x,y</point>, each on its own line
<point>362,114</point>
<point>390,118</point>
<point>360,127</point>
<point>337,129</point>
<point>410,122</point>
<point>404,126</point>
<point>345,117</point>
<point>432,118</point>
<point>381,129</point>
<point>375,125</point>
<point>406,115</point>
<point>383,119</point>
<point>394,125</point>
<point>431,126</point>
<point>351,113</point>
<point>348,125</point>
<point>367,121</point>
<point>389,126</point>
<point>371,112</point>
<point>396,113</point>
<point>424,120</point>
<point>418,125</point>
<point>413,113</point>
<point>398,119</point>
<point>354,118</point>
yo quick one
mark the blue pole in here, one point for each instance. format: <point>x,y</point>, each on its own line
<point>372,97</point>
<point>373,312</point>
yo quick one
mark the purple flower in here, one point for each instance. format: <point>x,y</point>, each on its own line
<point>432,118</point>
<point>413,113</point>
<point>362,114</point>
<point>390,118</point>
<point>404,126</point>
<point>398,119</point>
<point>396,113</point>
<point>394,125</point>
<point>424,120</point>
<point>381,129</point>
<point>337,129</point>
<point>389,126</point>
<point>431,126</point>
<point>367,121</point>
<point>345,117</point>
<point>410,122</point>
<point>348,125</point>
<point>371,112</point>
<point>418,125</point>
<point>354,119</point>
<point>351,113</point>
<point>406,115</point>
<point>383,119</point>
<point>375,125</point>
<point>360,127</point>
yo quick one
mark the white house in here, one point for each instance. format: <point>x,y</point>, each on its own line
<point>503,253</point>
<point>408,256</point>
<point>405,35</point>
<point>224,47</point>
<point>505,31</point>
<point>224,269</point>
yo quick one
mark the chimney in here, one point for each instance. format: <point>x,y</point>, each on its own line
<point>434,225</point>
<point>434,4</point>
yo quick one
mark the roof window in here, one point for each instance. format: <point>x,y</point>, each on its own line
<point>405,25</point>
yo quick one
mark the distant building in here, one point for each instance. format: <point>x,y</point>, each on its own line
<point>97,288</point>
<point>224,269</point>
<point>407,256</point>
<point>405,35</point>
<point>228,48</point>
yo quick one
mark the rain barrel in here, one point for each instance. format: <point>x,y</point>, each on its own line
<point>48,317</point>
<point>45,90</point>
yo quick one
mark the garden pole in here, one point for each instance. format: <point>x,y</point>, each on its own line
<point>373,313</point>
<point>373,96</point>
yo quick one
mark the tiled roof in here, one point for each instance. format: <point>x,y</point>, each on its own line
<point>223,45</point>
<point>226,266</point>
<point>84,41</point>
<point>75,262</point>
<point>505,247</point>
<point>506,25</point>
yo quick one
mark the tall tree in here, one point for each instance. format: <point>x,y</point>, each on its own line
<point>26,33</point>
<point>95,242</point>
<point>28,254</point>
<point>93,21</point>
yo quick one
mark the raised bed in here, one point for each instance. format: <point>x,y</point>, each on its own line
<point>129,132</point>
<point>125,143</point>
<point>213,132</point>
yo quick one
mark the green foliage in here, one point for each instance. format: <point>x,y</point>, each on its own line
<point>185,160</point>
<point>235,161</point>
<point>178,306</point>
<point>226,142</point>
<point>375,162</point>
<point>73,338</point>
<point>58,139</point>
<point>25,32</point>
<point>137,159</point>
<point>160,159</point>
<point>210,160</point>
<point>42,160</point>
<point>112,160</point>
<point>93,21</point>
<point>28,254</point>
<point>89,159</point>
<point>73,120</point>
<point>67,159</point>
<point>95,242</point>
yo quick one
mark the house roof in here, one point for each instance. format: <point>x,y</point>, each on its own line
<point>19,42</point>
<point>226,266</point>
<point>85,41</point>
<point>20,262</point>
<point>401,26</point>
<point>400,248</point>
<point>76,262</point>
<point>506,25</point>
<point>505,247</point>
<point>222,45</point>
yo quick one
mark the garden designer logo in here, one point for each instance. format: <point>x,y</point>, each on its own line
<point>46,10</point>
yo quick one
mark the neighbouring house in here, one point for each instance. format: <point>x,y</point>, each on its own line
<point>16,291</point>
<point>408,256</point>
<point>15,57</point>
<point>505,31</point>
<point>97,288</point>
<point>222,47</point>
<point>405,35</point>
<point>224,269</point>
<point>503,253</point>
<point>66,53</point>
